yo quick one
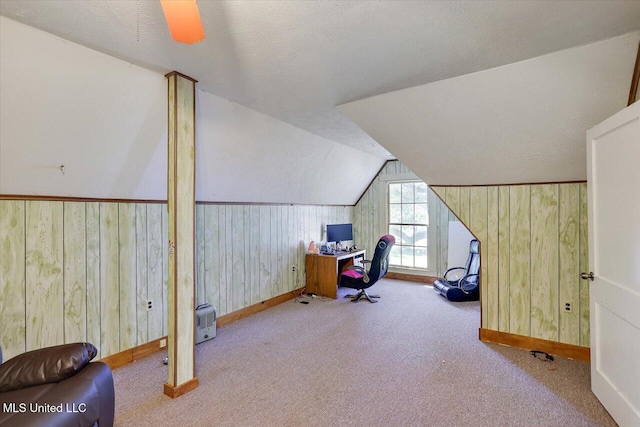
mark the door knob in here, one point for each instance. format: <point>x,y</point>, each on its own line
<point>585,276</point>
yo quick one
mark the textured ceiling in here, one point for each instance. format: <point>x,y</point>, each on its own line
<point>297,60</point>
<point>520,123</point>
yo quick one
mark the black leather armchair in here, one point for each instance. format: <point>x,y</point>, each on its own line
<point>462,283</point>
<point>358,278</point>
<point>60,379</point>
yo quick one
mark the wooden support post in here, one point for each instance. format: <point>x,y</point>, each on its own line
<point>181,207</point>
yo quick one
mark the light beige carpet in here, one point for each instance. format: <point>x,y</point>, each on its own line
<point>413,359</point>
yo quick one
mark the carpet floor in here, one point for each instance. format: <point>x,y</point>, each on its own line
<point>413,359</point>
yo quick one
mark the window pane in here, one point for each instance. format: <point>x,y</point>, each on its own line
<point>422,213</point>
<point>420,236</point>
<point>407,192</point>
<point>407,235</point>
<point>395,193</point>
<point>395,256</point>
<point>395,231</point>
<point>408,216</point>
<point>407,256</point>
<point>421,192</point>
<point>395,213</point>
<point>408,206</point>
<point>421,257</point>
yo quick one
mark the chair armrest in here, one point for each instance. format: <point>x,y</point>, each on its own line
<point>45,365</point>
<point>365,276</point>
<point>467,285</point>
<point>451,269</point>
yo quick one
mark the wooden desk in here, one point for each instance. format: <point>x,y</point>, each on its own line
<point>323,271</point>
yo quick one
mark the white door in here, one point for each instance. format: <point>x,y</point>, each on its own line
<point>613,168</point>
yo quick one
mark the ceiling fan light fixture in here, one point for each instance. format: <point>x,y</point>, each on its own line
<point>183,20</point>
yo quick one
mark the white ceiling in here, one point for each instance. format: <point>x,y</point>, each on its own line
<point>105,120</point>
<point>520,123</point>
<point>297,60</point>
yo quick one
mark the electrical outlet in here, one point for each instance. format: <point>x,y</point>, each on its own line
<point>163,343</point>
<point>568,307</point>
<point>149,305</point>
<point>293,268</point>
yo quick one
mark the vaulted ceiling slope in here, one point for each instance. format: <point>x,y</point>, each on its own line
<point>105,120</point>
<point>522,122</point>
<point>296,60</point>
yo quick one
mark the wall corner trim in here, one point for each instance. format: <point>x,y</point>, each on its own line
<point>179,74</point>
<point>569,351</point>
<point>257,308</point>
<point>135,353</point>
<point>410,277</point>
<point>132,354</point>
<point>177,391</point>
<point>372,179</point>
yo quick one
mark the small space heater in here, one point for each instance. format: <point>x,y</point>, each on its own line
<point>206,316</point>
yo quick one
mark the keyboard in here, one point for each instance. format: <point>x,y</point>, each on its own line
<point>335,253</point>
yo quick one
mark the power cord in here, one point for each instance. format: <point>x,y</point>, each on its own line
<point>302,296</point>
<point>305,298</point>
<point>543,356</point>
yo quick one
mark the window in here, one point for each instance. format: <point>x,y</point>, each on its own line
<point>409,223</point>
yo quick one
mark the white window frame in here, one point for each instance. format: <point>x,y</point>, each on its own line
<point>432,269</point>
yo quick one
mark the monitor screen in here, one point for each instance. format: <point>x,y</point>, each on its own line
<point>339,232</point>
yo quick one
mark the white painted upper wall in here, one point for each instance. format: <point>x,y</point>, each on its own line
<point>105,120</point>
<point>522,122</point>
<point>64,104</point>
<point>246,156</point>
<point>296,60</point>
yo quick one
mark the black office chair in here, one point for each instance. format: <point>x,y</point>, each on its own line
<point>462,283</point>
<point>358,278</point>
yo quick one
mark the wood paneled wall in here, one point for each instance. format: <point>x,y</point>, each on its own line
<point>533,248</point>
<point>370,216</point>
<point>83,271</point>
<point>80,271</point>
<point>246,253</point>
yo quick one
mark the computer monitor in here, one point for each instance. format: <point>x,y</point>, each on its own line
<point>339,232</point>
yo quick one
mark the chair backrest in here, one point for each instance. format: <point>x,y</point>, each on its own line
<point>473,261</point>
<point>380,261</point>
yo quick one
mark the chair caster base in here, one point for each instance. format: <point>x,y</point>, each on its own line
<point>362,294</point>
